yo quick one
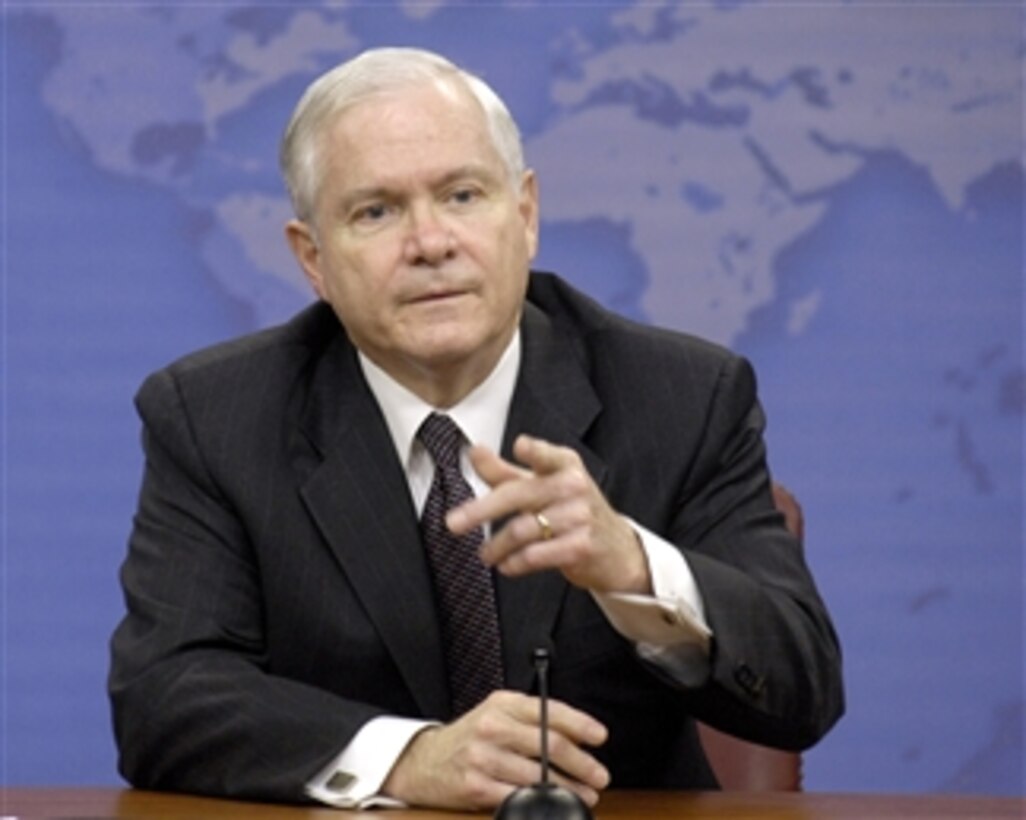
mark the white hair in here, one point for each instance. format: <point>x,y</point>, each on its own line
<point>374,72</point>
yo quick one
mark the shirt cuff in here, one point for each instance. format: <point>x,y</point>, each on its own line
<point>668,627</point>
<point>354,778</point>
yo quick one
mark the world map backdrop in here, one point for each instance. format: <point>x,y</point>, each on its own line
<point>834,189</point>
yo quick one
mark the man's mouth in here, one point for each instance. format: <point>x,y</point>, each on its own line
<point>439,296</point>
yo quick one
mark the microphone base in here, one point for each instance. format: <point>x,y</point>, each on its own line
<point>543,801</point>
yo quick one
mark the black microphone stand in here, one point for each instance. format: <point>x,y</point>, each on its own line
<point>544,800</point>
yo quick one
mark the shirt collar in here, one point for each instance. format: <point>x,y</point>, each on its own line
<point>481,415</point>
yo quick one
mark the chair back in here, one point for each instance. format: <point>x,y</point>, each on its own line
<point>738,764</point>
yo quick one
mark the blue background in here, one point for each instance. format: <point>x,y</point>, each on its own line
<point>673,143</point>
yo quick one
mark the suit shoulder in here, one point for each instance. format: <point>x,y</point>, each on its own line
<point>262,354</point>
<point>309,329</point>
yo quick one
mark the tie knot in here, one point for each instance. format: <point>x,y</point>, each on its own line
<point>442,438</point>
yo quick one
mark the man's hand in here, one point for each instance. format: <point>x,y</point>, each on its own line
<point>478,760</point>
<point>557,519</point>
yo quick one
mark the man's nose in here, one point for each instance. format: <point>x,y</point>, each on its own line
<point>429,240</point>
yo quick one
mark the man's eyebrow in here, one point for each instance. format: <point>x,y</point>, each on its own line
<point>470,171</point>
<point>350,199</point>
<point>361,194</point>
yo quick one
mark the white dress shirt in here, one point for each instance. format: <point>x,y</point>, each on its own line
<point>667,628</point>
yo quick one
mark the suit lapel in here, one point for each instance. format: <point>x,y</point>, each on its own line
<point>358,496</point>
<point>555,401</point>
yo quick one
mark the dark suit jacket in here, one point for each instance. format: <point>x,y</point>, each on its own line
<point>278,596</point>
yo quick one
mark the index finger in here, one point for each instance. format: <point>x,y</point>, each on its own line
<point>505,499</point>
<point>543,457</point>
<point>577,725</point>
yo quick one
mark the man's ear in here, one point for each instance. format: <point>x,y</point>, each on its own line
<point>529,210</point>
<point>303,241</point>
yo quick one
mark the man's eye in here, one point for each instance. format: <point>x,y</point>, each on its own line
<point>371,213</point>
<point>464,196</point>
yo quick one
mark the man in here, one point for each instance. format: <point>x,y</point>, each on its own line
<point>291,630</point>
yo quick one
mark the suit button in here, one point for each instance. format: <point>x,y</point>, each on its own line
<point>747,679</point>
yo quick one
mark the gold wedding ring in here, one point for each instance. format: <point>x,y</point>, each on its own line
<point>546,526</point>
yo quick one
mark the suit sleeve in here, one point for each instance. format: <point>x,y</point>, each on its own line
<point>775,665</point>
<point>196,706</point>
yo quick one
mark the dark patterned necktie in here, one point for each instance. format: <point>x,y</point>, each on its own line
<point>463,585</point>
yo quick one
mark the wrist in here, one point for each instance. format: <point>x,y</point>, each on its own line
<point>400,784</point>
<point>638,578</point>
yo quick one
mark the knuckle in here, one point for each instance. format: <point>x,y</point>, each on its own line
<point>577,546</point>
<point>536,560</point>
<point>504,699</point>
<point>476,788</point>
<point>571,457</point>
<point>489,726</point>
<point>578,513</point>
<point>498,697</point>
<point>516,563</point>
<point>476,757</point>
<point>573,481</point>
<point>559,746</point>
<point>523,527</point>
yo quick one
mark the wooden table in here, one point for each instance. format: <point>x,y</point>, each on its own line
<point>127,803</point>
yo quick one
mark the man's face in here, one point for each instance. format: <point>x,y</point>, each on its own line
<point>420,241</point>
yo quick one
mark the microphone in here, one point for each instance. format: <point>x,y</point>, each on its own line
<point>544,800</point>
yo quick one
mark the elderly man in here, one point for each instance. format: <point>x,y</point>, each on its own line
<point>354,528</point>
